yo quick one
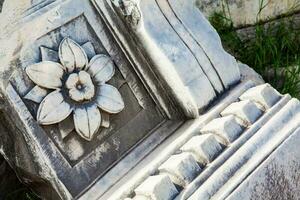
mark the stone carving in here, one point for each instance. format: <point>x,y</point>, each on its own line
<point>130,10</point>
<point>182,168</point>
<point>79,87</point>
<point>170,66</point>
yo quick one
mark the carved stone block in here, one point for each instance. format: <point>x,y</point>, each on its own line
<point>105,99</point>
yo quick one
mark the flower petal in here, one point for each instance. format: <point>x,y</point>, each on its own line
<point>72,81</point>
<point>109,99</point>
<point>46,74</point>
<point>85,78</point>
<point>76,95</point>
<point>66,126</point>
<point>89,49</point>
<point>89,92</point>
<point>36,94</point>
<point>71,55</point>
<point>87,121</point>
<point>53,109</point>
<point>101,67</point>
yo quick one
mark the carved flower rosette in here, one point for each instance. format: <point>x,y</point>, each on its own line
<point>78,88</point>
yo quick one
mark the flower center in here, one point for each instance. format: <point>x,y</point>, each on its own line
<point>80,86</point>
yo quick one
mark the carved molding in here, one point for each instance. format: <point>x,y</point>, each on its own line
<point>74,86</point>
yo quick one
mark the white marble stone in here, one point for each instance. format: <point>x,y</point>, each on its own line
<point>275,178</point>
<point>226,129</point>
<point>249,156</point>
<point>150,164</point>
<point>89,49</point>
<point>265,96</point>
<point>158,187</point>
<point>246,111</point>
<point>168,64</point>
<point>140,197</point>
<point>203,147</point>
<point>182,168</point>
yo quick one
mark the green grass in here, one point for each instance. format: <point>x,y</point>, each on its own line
<point>273,50</point>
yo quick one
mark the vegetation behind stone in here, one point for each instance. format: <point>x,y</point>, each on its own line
<point>272,48</point>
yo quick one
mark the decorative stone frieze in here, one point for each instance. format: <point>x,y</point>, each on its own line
<point>157,187</point>
<point>205,148</point>
<point>181,168</point>
<point>245,111</point>
<point>227,129</point>
<point>264,96</point>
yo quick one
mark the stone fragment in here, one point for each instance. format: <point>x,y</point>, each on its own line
<point>203,147</point>
<point>181,168</point>
<point>246,111</point>
<point>264,96</point>
<point>227,129</point>
<point>159,187</point>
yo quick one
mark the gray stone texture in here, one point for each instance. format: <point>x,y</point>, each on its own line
<point>277,177</point>
<point>204,148</point>
<point>130,99</point>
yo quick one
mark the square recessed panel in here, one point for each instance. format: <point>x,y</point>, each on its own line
<point>78,158</point>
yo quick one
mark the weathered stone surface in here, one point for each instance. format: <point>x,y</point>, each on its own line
<point>247,73</point>
<point>100,102</point>
<point>181,168</point>
<point>171,146</point>
<point>203,147</point>
<point>198,48</point>
<point>157,187</point>
<point>226,129</point>
<point>245,111</point>
<point>277,177</point>
<point>90,149</point>
<point>264,96</point>
<point>238,167</point>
